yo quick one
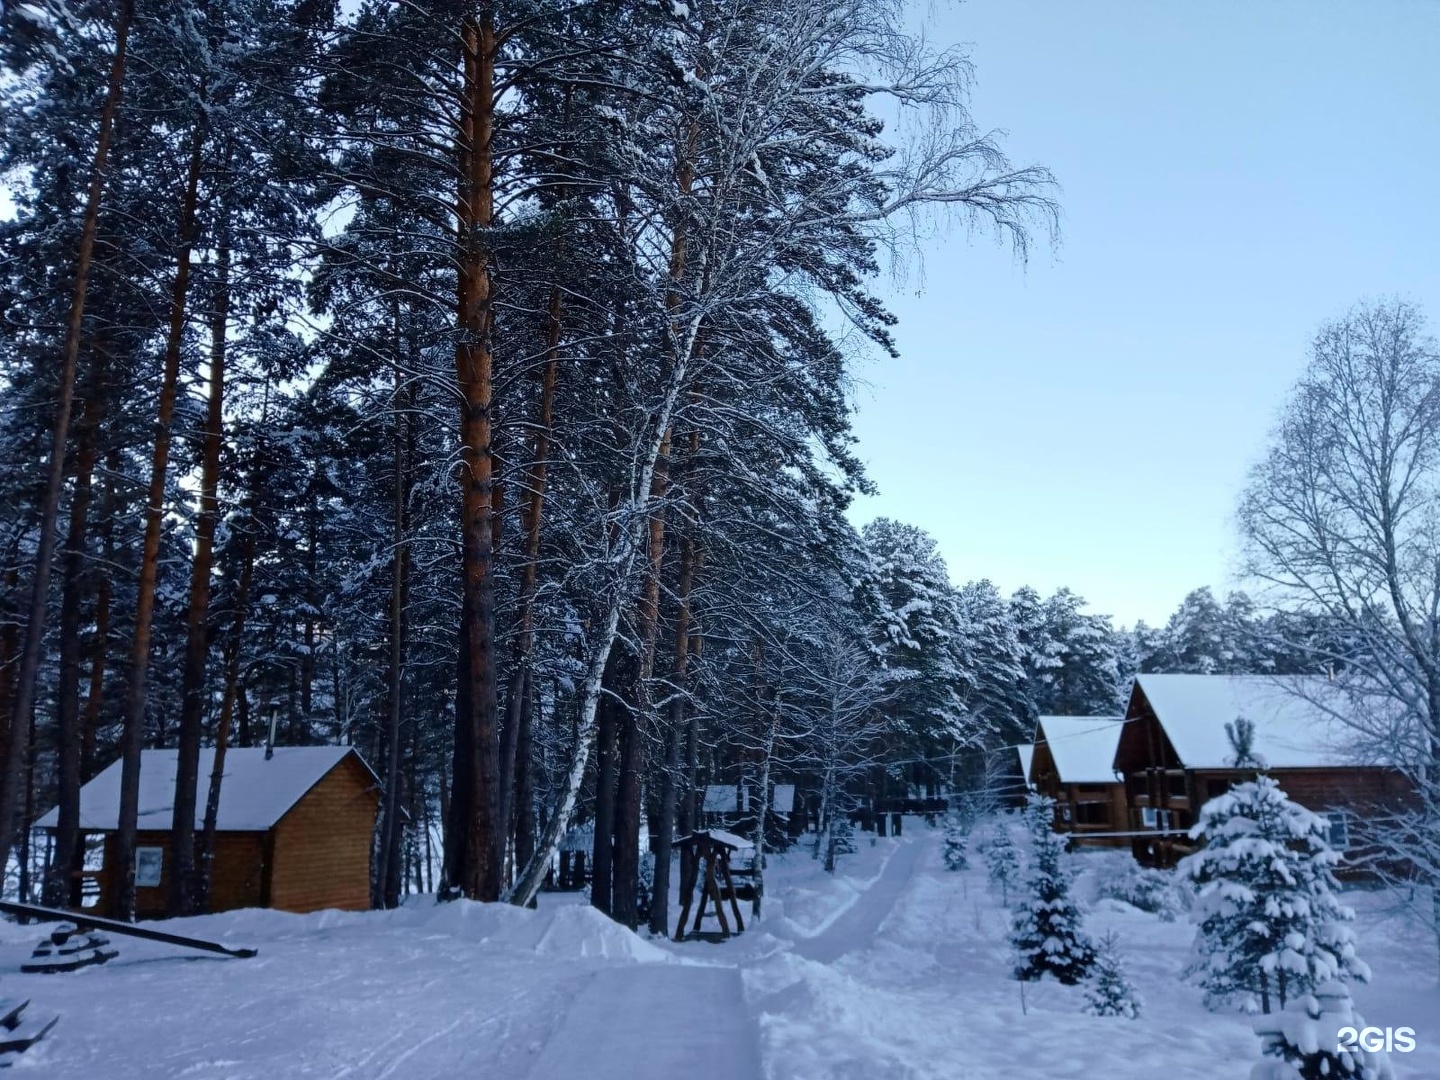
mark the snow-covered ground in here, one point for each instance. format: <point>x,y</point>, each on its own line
<point>892,968</point>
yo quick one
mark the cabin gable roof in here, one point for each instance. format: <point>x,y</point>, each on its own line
<point>254,794</point>
<point>1294,718</point>
<point>1082,748</point>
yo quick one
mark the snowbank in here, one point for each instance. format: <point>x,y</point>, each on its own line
<point>578,931</point>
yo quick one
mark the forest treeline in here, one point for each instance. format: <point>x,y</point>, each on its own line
<point>470,383</point>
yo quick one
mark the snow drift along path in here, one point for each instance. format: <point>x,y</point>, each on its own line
<point>661,1021</point>
<point>857,927</point>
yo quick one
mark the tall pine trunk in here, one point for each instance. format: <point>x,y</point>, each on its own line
<point>534,486</point>
<point>184,885</point>
<point>602,856</point>
<point>387,873</point>
<point>478,867</point>
<point>100,647</point>
<point>524,815</point>
<point>22,704</point>
<point>232,694</point>
<point>61,884</point>
<point>132,739</point>
<point>669,781</point>
<point>639,724</point>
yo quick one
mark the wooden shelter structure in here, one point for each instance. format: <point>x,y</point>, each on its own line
<point>1073,762</point>
<point>1174,755</point>
<point>573,873</point>
<point>294,830</point>
<point>713,848</point>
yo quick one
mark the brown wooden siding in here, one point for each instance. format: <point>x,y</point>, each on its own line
<point>322,846</point>
<point>1156,779</point>
<point>1080,808</point>
<point>235,881</point>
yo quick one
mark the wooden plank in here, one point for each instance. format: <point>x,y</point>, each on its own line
<point>687,875</point>
<point>730,886</point>
<point>113,926</point>
<point>704,899</point>
<point>715,892</point>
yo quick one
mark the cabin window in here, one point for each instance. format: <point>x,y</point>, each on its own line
<point>149,861</point>
<point>1092,813</point>
<point>1148,817</point>
<point>1065,811</point>
<point>1339,830</point>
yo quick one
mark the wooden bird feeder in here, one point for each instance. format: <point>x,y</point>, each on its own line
<point>713,848</point>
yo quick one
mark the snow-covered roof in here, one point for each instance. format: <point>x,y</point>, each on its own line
<point>580,838</point>
<point>1027,755</point>
<point>1082,747</point>
<point>1292,726</point>
<point>728,838</point>
<point>720,799</point>
<point>784,801</point>
<point>254,795</point>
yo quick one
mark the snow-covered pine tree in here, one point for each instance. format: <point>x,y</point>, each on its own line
<point>1047,934</point>
<point>842,836</point>
<point>1109,992</point>
<point>1302,1041</point>
<point>1002,860</point>
<point>1270,926</point>
<point>956,841</point>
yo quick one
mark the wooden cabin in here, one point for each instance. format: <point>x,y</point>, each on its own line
<point>1174,755</point>
<point>1073,762</point>
<point>294,829</point>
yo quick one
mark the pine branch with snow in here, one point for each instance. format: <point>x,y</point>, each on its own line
<point>1302,1042</point>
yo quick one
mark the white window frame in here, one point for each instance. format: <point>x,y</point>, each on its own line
<point>1149,819</point>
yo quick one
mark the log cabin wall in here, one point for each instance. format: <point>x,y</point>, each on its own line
<point>236,878</point>
<point>1080,808</point>
<point>1159,791</point>
<point>322,846</point>
<point>1165,796</point>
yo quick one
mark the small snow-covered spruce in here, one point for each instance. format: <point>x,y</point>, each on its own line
<point>1109,992</point>
<point>956,842</point>
<point>1047,934</point>
<point>1002,861</point>
<point>842,836</point>
<point>1302,1041</point>
<point>1269,925</point>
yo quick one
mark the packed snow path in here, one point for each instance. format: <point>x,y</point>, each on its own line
<point>857,927</point>
<point>661,1021</point>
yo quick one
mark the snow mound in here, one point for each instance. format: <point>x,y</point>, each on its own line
<point>582,932</point>
<point>499,924</point>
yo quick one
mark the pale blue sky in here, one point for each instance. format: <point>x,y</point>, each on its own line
<point>1233,174</point>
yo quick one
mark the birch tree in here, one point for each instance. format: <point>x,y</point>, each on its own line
<point>1342,519</point>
